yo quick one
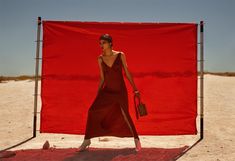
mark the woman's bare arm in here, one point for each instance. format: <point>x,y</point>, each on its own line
<point>128,74</point>
<point>101,74</point>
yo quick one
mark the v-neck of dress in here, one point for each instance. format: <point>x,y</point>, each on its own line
<point>113,61</point>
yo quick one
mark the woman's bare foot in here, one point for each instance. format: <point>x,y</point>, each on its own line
<point>137,144</point>
<point>86,143</point>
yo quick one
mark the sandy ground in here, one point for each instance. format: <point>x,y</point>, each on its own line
<point>16,120</point>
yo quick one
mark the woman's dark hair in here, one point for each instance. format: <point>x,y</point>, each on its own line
<point>106,37</point>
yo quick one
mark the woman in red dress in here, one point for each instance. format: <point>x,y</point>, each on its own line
<point>108,115</point>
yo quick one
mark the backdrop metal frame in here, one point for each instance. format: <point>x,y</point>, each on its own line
<point>36,76</point>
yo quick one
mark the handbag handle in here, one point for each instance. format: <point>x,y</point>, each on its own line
<point>136,108</point>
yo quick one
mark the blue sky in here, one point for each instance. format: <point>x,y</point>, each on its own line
<point>18,25</point>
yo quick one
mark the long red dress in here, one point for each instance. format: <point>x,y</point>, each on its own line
<point>108,115</point>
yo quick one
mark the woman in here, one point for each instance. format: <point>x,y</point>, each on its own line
<point>108,115</point>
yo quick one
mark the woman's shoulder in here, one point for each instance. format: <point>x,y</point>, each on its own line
<point>120,52</point>
<point>99,58</point>
<point>117,52</point>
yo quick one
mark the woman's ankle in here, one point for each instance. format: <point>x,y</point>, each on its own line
<point>86,140</point>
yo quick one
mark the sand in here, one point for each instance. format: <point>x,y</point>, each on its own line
<point>16,121</point>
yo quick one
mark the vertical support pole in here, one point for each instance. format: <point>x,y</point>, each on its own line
<point>36,77</point>
<point>201,80</point>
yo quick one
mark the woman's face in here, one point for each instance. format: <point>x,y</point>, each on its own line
<point>104,44</point>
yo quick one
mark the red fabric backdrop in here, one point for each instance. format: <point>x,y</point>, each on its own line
<point>162,58</point>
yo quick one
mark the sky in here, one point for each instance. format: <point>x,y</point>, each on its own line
<point>18,25</point>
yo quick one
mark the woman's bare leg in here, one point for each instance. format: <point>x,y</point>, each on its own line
<point>134,132</point>
<point>129,123</point>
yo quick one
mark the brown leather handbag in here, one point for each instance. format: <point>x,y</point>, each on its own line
<point>140,108</point>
